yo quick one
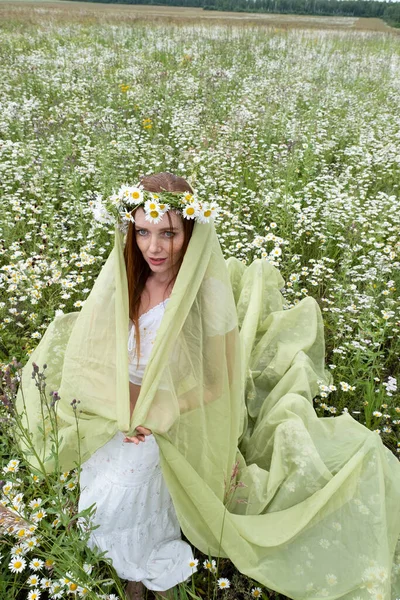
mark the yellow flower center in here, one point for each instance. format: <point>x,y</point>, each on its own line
<point>154,214</point>
<point>135,195</point>
<point>73,587</point>
<point>207,213</point>
<point>18,564</point>
<point>190,211</point>
<point>152,206</point>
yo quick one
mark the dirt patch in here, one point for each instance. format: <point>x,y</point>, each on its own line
<point>33,11</point>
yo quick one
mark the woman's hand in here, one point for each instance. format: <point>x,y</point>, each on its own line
<point>140,437</point>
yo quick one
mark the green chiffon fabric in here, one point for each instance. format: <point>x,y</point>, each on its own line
<point>307,506</point>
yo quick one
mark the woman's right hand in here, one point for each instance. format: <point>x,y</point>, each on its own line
<point>140,437</point>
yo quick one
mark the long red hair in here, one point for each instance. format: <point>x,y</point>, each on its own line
<point>137,269</point>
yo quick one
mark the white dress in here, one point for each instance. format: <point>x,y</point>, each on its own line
<point>138,526</point>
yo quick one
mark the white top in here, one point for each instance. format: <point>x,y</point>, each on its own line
<point>149,322</point>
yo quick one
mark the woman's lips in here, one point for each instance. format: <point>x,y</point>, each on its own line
<point>157,261</point>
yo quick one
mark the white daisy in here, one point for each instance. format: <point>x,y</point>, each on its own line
<point>188,198</point>
<point>127,216</point>
<point>210,565</point>
<point>45,584</point>
<point>36,564</point>
<point>193,563</point>
<point>38,516</point>
<point>276,251</point>
<point>30,543</point>
<point>83,591</point>
<point>87,568</point>
<point>56,591</point>
<point>190,211</point>
<point>7,488</point>
<point>18,550</point>
<point>100,213</point>
<point>17,564</point>
<point>223,583</point>
<point>133,195</point>
<point>34,595</point>
<point>33,580</point>
<point>153,212</point>
<point>205,213</point>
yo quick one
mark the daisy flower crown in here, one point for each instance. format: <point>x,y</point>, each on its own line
<point>119,208</point>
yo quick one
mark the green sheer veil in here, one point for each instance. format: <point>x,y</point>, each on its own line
<point>308,507</point>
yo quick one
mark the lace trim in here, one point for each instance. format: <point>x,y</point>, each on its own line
<point>153,308</point>
<point>131,337</point>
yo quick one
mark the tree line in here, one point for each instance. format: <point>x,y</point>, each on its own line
<point>389,11</point>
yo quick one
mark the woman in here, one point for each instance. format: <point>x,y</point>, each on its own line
<point>308,507</point>
<point>133,503</point>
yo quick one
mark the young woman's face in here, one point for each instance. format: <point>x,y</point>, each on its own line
<point>154,241</point>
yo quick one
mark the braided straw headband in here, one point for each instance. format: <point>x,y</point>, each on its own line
<point>119,207</point>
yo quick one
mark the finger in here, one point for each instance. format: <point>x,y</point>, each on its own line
<point>143,430</point>
<point>131,440</point>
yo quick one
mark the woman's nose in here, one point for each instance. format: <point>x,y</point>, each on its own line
<point>154,244</point>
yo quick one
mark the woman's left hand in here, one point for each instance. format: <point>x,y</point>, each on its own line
<point>140,437</point>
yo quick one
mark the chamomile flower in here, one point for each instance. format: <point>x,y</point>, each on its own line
<point>193,563</point>
<point>33,580</point>
<point>127,217</point>
<point>256,592</point>
<point>12,466</point>
<point>276,252</point>
<point>83,591</point>
<point>34,594</point>
<point>17,564</point>
<point>133,195</point>
<point>70,485</point>
<point>88,568</point>
<point>30,543</point>
<point>100,213</point>
<point>34,504</point>
<point>36,564</point>
<point>19,550</point>
<point>18,501</point>
<point>56,591</point>
<point>190,211</point>
<point>72,587</point>
<point>223,583</point>
<point>45,583</point>
<point>153,211</point>
<point>205,213</point>
<point>21,532</point>
<point>38,516</point>
<point>188,198</point>
<point>7,488</point>
<point>210,565</point>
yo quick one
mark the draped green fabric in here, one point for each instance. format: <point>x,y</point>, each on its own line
<point>308,507</point>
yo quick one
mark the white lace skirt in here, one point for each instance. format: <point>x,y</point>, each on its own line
<point>138,526</point>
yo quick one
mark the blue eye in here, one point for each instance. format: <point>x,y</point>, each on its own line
<point>141,232</point>
<point>169,234</point>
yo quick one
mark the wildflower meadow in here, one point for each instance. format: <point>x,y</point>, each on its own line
<point>295,133</point>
